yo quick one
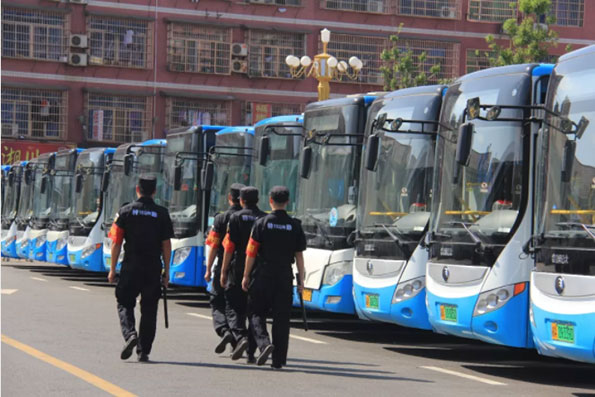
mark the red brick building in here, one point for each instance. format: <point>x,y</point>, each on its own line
<point>104,72</point>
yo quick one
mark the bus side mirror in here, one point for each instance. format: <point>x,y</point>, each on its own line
<point>372,152</point>
<point>568,160</point>
<point>44,184</point>
<point>105,181</point>
<point>178,177</point>
<point>306,162</point>
<point>28,176</point>
<point>207,176</point>
<point>78,184</point>
<point>10,178</point>
<point>128,163</point>
<point>263,150</point>
<point>464,143</point>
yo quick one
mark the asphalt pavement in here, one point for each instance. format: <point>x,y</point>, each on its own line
<point>60,336</point>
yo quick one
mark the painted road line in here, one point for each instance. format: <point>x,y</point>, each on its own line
<point>466,376</point>
<point>79,373</point>
<point>39,279</point>
<point>8,291</point>
<point>200,316</point>
<point>79,288</point>
<point>302,338</point>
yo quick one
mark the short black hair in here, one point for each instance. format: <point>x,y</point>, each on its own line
<point>234,191</point>
<point>250,195</point>
<point>147,184</point>
<point>279,194</point>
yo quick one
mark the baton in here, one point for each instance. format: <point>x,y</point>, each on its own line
<point>164,290</point>
<point>304,318</point>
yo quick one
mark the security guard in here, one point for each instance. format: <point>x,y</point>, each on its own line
<point>147,228</point>
<point>234,244</point>
<point>217,296</point>
<point>276,240</point>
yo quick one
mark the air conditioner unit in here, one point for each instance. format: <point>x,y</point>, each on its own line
<point>239,66</point>
<point>77,59</point>
<point>449,12</point>
<point>376,6</point>
<point>239,49</point>
<point>78,1</point>
<point>374,78</point>
<point>262,1</point>
<point>79,41</point>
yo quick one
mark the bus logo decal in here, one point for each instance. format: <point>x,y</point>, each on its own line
<point>370,267</point>
<point>445,273</point>
<point>559,285</point>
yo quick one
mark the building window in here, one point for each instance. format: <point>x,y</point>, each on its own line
<point>253,112</point>
<point>118,118</point>
<point>448,9</point>
<point>376,6</point>
<point>437,52</point>
<point>477,60</point>
<point>187,111</point>
<point>268,49</point>
<point>33,113</point>
<point>491,10</point>
<point>366,48</point>
<point>198,48</point>
<point>276,2</point>
<point>120,42</point>
<point>34,34</point>
<point>568,12</point>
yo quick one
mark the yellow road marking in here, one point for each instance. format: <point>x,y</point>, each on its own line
<point>6,291</point>
<point>79,373</point>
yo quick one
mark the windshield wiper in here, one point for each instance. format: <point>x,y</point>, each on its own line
<point>480,244</point>
<point>320,226</point>
<point>402,244</point>
<point>584,226</point>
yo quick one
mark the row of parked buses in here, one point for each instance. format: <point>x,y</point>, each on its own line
<point>468,209</point>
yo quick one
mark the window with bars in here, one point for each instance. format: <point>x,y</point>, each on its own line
<point>444,53</point>
<point>477,60</point>
<point>375,6</point>
<point>268,50</point>
<point>366,48</point>
<point>491,10</point>
<point>187,111</point>
<point>198,48</point>
<point>448,9</point>
<point>276,2</point>
<point>35,113</point>
<point>118,118</point>
<point>253,112</point>
<point>34,34</point>
<point>120,42</point>
<point>568,12</point>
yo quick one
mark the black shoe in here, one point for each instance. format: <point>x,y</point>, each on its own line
<point>251,359</point>
<point>264,355</point>
<point>128,347</point>
<point>276,367</point>
<point>143,358</point>
<point>225,339</point>
<point>240,349</point>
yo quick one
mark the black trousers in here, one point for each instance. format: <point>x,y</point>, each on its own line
<point>218,304</point>
<point>237,314</point>
<point>275,295</point>
<point>147,283</point>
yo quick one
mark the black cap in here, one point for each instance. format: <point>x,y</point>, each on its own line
<point>249,194</point>
<point>279,194</point>
<point>234,190</point>
<point>147,184</point>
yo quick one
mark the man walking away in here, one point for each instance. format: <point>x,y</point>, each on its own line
<point>147,228</point>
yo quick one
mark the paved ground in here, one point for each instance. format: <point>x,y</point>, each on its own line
<point>69,320</point>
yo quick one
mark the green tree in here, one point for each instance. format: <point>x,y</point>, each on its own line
<point>528,39</point>
<point>402,68</point>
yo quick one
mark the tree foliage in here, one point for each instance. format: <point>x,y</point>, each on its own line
<point>529,36</point>
<point>403,68</point>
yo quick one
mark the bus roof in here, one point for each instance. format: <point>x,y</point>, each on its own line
<point>293,118</point>
<point>236,130</point>
<point>154,142</point>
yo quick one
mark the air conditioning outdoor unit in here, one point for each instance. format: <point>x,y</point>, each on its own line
<point>79,41</point>
<point>376,6</point>
<point>78,1</point>
<point>239,49</point>
<point>239,66</point>
<point>262,1</point>
<point>449,12</point>
<point>77,59</point>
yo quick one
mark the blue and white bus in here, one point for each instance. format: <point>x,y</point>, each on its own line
<point>202,164</point>
<point>61,198</point>
<point>482,206</point>
<point>86,221</point>
<point>25,212</point>
<point>12,177</point>
<point>42,206</point>
<point>562,312</point>
<point>394,207</point>
<point>327,198</point>
<point>275,160</point>
<point>129,161</point>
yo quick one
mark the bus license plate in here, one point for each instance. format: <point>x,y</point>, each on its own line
<point>563,332</point>
<point>448,313</point>
<point>72,258</point>
<point>371,301</point>
<point>307,295</point>
<point>108,261</point>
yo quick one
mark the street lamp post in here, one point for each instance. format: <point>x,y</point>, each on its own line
<point>324,68</point>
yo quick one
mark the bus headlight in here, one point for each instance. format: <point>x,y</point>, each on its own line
<point>494,299</point>
<point>409,289</point>
<point>180,255</point>
<point>11,239</point>
<point>89,250</point>
<point>61,243</point>
<point>335,272</point>
<point>40,241</point>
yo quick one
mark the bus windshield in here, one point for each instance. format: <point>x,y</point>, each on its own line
<point>11,195</point>
<point>121,187</point>
<point>87,202</point>
<point>26,200</point>
<point>62,190</point>
<point>41,202</point>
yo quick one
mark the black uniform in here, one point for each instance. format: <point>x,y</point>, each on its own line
<point>275,240</point>
<point>143,225</point>
<point>217,297</point>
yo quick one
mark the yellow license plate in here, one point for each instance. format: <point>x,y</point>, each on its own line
<point>307,295</point>
<point>108,261</point>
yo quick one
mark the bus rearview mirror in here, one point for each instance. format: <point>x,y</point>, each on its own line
<point>28,176</point>
<point>78,184</point>
<point>44,184</point>
<point>128,163</point>
<point>372,152</point>
<point>568,160</point>
<point>10,178</point>
<point>105,181</point>
<point>464,142</point>
<point>207,176</point>
<point>178,177</point>
<point>263,150</point>
<point>306,162</point>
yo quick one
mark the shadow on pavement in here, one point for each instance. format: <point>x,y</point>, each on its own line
<point>302,360</point>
